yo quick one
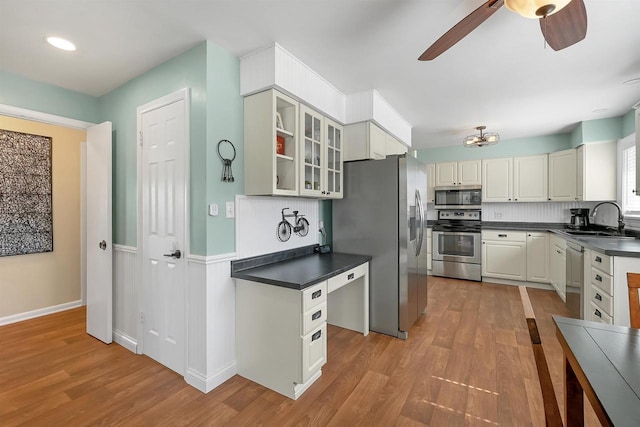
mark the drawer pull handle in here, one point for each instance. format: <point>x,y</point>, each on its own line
<point>598,278</point>
<point>502,235</point>
<point>316,336</point>
<point>597,313</point>
<point>316,315</point>
<point>598,297</point>
<point>598,259</point>
<point>351,276</point>
<point>316,294</point>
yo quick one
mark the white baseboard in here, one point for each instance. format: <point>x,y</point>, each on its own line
<point>204,384</point>
<point>39,312</point>
<point>125,341</point>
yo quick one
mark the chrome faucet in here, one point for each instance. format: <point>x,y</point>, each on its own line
<point>620,216</point>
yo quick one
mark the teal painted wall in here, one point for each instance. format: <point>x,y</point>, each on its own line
<point>224,121</point>
<point>120,107</point>
<point>576,136</point>
<point>602,130</point>
<point>506,148</point>
<point>24,93</point>
<point>628,123</point>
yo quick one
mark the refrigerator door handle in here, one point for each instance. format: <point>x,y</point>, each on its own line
<point>420,208</point>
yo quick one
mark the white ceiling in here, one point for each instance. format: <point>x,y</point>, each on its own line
<point>501,75</point>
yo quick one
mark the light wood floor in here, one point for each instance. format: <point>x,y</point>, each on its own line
<point>468,362</point>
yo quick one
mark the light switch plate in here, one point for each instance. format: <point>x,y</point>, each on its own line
<point>213,209</point>
<point>231,211</point>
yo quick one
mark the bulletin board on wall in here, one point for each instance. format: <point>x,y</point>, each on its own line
<point>26,215</point>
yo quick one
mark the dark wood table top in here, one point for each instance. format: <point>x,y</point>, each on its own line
<point>609,358</point>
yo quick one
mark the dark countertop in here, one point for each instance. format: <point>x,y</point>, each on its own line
<point>605,245</point>
<point>295,269</point>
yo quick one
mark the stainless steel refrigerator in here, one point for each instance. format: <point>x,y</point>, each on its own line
<point>383,215</point>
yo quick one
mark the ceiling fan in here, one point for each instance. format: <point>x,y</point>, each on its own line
<point>563,23</point>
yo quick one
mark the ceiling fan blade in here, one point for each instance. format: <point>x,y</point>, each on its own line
<point>565,27</point>
<point>461,29</point>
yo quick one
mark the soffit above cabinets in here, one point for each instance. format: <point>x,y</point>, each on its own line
<point>273,66</point>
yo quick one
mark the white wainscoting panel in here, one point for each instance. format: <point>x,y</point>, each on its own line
<point>531,212</point>
<point>125,297</point>
<point>211,307</point>
<point>257,219</point>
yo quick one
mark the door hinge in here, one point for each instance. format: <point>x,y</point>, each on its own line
<point>140,137</point>
<point>142,317</point>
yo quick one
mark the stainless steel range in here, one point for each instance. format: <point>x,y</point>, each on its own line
<point>457,245</point>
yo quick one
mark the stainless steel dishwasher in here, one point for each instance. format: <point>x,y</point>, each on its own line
<point>575,280</point>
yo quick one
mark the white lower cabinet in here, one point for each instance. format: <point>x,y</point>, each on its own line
<point>558,265</point>
<point>600,283</point>
<point>281,335</point>
<point>504,254</point>
<point>538,257</point>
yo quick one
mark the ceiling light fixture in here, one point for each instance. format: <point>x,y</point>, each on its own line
<point>61,43</point>
<point>535,9</point>
<point>481,140</point>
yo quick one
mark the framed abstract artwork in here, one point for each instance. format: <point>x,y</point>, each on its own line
<point>26,214</point>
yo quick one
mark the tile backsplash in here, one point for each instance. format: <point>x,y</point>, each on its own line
<point>554,212</point>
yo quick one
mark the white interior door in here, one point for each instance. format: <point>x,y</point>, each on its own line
<point>98,237</point>
<point>163,196</point>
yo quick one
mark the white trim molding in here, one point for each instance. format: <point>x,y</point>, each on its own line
<point>206,384</point>
<point>37,116</point>
<point>211,259</point>
<point>19,317</point>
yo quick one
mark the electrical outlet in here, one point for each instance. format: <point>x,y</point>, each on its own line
<point>321,224</point>
<point>231,211</point>
<point>213,209</point>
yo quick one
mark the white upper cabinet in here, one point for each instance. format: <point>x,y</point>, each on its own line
<point>446,174</point>
<point>365,141</point>
<point>320,155</point>
<point>530,178</point>
<point>637,149</point>
<point>562,175</point>
<point>393,146</point>
<point>497,178</point>
<point>271,144</point>
<point>458,173</point>
<point>431,181</point>
<point>517,179</point>
<point>599,159</point>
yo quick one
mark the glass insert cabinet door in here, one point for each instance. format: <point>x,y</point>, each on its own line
<point>312,152</point>
<point>334,159</point>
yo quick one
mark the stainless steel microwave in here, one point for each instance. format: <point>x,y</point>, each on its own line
<point>458,197</point>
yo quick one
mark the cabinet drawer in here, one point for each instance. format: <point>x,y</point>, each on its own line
<point>313,318</point>
<point>507,236</point>
<point>340,280</point>
<point>602,262</point>
<point>314,351</point>
<point>602,280</point>
<point>314,295</point>
<point>601,299</point>
<point>598,315</point>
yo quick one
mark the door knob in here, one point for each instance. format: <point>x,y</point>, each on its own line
<point>103,245</point>
<point>175,254</point>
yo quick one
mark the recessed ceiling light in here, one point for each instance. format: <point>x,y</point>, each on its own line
<point>600,110</point>
<point>632,81</point>
<point>61,43</point>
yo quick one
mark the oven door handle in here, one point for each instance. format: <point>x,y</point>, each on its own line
<point>420,209</point>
